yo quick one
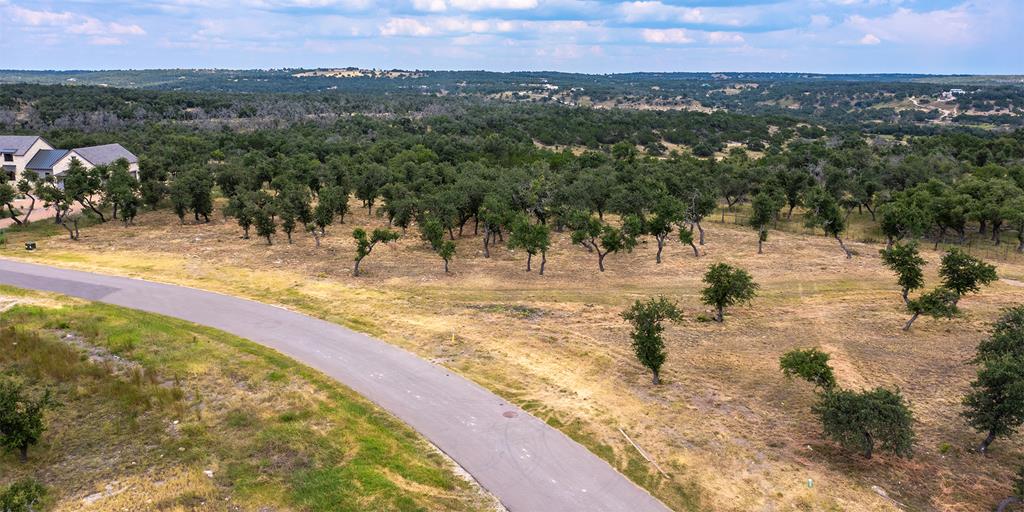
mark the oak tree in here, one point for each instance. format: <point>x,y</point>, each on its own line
<point>365,243</point>
<point>727,286</point>
<point>647,318</point>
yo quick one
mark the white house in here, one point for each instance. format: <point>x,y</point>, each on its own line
<point>27,152</point>
<point>17,150</point>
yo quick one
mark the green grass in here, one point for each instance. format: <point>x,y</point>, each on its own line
<point>189,398</point>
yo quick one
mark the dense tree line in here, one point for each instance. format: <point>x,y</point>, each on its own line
<point>478,166</point>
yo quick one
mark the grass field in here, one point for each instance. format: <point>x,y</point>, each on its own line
<point>729,430</point>
<point>160,414</point>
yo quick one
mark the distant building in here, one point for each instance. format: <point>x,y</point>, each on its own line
<point>957,92</point>
<point>19,153</point>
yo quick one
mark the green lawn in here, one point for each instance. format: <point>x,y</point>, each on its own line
<point>180,415</point>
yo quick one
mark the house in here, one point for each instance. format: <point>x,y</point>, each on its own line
<point>33,153</point>
<point>17,150</point>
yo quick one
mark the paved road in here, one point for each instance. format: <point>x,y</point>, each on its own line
<point>527,464</point>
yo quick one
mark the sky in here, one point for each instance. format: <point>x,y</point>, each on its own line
<point>592,36</point>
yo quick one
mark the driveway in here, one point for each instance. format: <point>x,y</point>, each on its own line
<point>527,464</point>
<point>40,213</point>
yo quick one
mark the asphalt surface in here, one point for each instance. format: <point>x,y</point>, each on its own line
<point>526,464</point>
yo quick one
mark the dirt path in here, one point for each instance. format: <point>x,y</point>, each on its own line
<point>524,462</point>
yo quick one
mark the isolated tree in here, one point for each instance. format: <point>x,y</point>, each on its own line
<point>823,212</point>
<point>727,286</point>
<point>605,239</point>
<point>995,404</point>
<point>686,237</point>
<point>365,244</point>
<point>432,230</point>
<point>861,420</point>
<point>963,273</point>
<point>532,238</point>
<point>667,213</point>
<point>647,319</point>
<point>938,303</point>
<point>764,208</point>
<point>907,263</point>
<point>21,416</point>
<point>811,365</point>
<point>263,221</point>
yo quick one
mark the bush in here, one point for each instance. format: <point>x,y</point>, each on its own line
<point>26,495</point>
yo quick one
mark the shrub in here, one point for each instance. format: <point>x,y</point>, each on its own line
<point>25,495</point>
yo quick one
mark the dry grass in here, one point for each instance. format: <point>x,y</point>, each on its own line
<point>730,430</point>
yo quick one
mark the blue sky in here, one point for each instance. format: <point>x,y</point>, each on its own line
<point>595,36</point>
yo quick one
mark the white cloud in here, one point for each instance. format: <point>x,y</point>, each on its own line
<point>303,4</point>
<point>485,5</point>
<point>666,36</point>
<point>430,5</point>
<point>725,38</point>
<point>654,10</point>
<point>405,27</point>
<point>463,25</point>
<point>869,39</point>
<point>473,5</point>
<point>957,25</point>
<point>70,22</point>
<point>861,3</point>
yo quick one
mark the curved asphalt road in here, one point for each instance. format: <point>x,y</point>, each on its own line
<point>527,464</point>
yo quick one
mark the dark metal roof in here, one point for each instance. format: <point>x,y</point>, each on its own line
<point>45,158</point>
<point>17,144</point>
<point>106,154</point>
